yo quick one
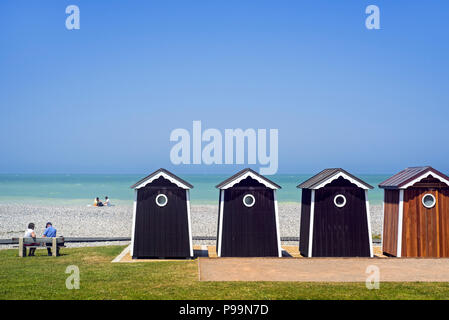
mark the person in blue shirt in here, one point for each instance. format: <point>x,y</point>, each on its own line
<point>50,232</point>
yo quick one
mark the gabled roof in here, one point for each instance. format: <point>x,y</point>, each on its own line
<point>412,175</point>
<point>245,173</point>
<point>328,175</point>
<point>166,175</point>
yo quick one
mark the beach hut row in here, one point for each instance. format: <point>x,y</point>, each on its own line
<point>335,216</point>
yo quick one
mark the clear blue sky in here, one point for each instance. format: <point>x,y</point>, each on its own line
<point>104,99</point>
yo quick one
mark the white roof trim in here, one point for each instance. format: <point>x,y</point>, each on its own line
<point>253,176</point>
<point>165,176</point>
<point>423,176</point>
<point>344,176</point>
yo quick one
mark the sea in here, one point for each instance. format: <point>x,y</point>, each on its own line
<point>81,189</point>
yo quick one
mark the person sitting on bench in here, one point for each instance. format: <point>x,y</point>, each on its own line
<point>50,232</point>
<point>30,234</point>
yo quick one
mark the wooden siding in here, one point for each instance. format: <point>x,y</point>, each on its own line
<point>443,207</point>
<point>391,214</point>
<point>161,231</point>
<point>249,231</point>
<point>340,232</point>
<point>305,222</point>
<point>425,230</point>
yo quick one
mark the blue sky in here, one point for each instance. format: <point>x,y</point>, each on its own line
<point>104,99</point>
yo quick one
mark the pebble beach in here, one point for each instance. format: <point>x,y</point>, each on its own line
<point>116,221</point>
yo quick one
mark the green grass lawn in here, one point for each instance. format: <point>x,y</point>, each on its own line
<point>43,277</point>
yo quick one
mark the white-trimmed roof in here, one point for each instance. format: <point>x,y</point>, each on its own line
<point>166,175</point>
<point>328,175</point>
<point>423,176</point>
<point>245,173</point>
<point>409,176</point>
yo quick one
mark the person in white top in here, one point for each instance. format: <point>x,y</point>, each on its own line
<point>106,202</point>
<point>29,233</point>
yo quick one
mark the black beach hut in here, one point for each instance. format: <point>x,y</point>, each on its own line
<point>335,219</point>
<point>248,223</point>
<point>161,219</point>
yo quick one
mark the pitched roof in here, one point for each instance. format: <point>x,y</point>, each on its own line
<point>167,175</point>
<point>407,177</point>
<point>243,174</point>
<point>328,175</point>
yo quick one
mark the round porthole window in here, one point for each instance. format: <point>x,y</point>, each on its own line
<point>161,200</point>
<point>429,201</point>
<point>249,200</point>
<point>340,200</point>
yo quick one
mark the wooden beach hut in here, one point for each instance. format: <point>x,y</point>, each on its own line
<point>248,222</point>
<point>161,219</point>
<point>416,213</point>
<point>335,218</point>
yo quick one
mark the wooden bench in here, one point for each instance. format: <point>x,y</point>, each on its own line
<point>40,242</point>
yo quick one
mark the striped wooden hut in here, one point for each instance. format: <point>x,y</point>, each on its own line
<point>248,222</point>
<point>416,213</point>
<point>335,218</point>
<point>161,219</point>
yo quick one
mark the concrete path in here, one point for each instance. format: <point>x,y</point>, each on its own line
<point>323,269</point>
<point>125,252</point>
<point>125,255</point>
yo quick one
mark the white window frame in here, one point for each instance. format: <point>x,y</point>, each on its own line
<point>434,201</point>
<point>249,196</point>
<point>161,195</point>
<point>339,205</point>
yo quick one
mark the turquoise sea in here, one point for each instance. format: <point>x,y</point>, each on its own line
<point>78,189</point>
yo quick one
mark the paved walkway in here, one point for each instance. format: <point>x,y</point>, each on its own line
<point>293,267</point>
<point>322,269</point>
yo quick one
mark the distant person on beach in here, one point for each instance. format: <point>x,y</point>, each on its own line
<point>107,203</point>
<point>50,232</point>
<point>29,233</point>
<point>98,203</point>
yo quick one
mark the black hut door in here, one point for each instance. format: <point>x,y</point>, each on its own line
<point>161,231</point>
<point>340,231</point>
<point>249,231</point>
